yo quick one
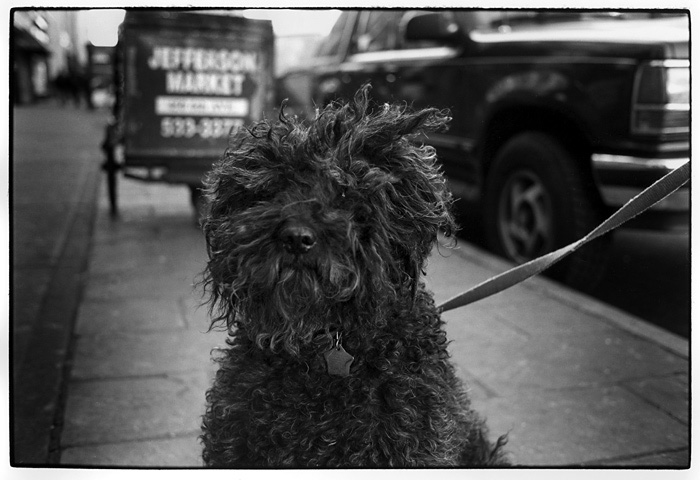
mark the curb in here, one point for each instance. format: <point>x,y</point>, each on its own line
<point>580,301</point>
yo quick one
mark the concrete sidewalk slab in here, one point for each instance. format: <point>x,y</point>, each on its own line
<point>142,355</point>
<point>102,356</point>
<point>113,316</point>
<point>590,426</point>
<point>144,407</point>
<point>171,453</point>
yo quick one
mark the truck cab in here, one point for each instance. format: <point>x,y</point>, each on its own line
<point>558,117</point>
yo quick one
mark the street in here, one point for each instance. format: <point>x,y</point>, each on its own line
<point>649,276</point>
<point>112,354</point>
<point>55,171</point>
<point>112,359</point>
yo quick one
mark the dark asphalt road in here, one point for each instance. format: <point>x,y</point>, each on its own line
<point>55,169</point>
<point>649,276</point>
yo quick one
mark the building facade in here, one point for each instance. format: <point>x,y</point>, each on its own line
<point>45,44</point>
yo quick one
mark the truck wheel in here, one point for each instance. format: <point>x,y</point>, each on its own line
<point>537,201</point>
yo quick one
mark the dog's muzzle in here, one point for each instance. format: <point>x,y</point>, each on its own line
<point>297,239</point>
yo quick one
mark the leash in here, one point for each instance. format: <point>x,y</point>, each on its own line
<point>646,199</point>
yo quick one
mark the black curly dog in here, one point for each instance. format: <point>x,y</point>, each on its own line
<point>317,237</point>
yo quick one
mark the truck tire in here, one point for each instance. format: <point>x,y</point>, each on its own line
<point>537,200</point>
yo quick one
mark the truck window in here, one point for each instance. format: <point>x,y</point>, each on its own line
<point>377,30</point>
<point>332,46</point>
<point>380,30</point>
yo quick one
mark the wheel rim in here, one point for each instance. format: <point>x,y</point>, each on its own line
<point>525,217</point>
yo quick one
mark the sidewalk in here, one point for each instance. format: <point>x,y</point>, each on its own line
<point>141,363</point>
<point>573,382</point>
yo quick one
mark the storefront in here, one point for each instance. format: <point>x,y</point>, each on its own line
<point>30,51</point>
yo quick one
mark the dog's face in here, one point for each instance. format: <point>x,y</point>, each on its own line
<point>308,226</point>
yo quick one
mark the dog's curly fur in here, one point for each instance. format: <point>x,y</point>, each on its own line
<point>371,201</point>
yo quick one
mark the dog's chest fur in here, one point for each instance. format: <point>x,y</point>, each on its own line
<point>295,413</point>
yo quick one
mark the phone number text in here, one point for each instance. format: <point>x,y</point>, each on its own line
<point>189,127</point>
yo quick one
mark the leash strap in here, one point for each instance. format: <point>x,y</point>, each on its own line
<point>646,199</point>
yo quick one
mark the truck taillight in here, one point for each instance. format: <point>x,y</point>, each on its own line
<point>661,102</point>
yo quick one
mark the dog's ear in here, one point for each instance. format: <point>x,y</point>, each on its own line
<point>392,138</point>
<point>381,126</point>
<point>420,193</point>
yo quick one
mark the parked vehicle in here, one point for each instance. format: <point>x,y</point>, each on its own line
<point>559,117</point>
<point>183,80</point>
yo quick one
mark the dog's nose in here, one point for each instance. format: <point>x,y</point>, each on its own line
<point>298,239</point>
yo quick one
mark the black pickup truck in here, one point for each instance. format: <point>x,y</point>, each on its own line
<point>559,117</point>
